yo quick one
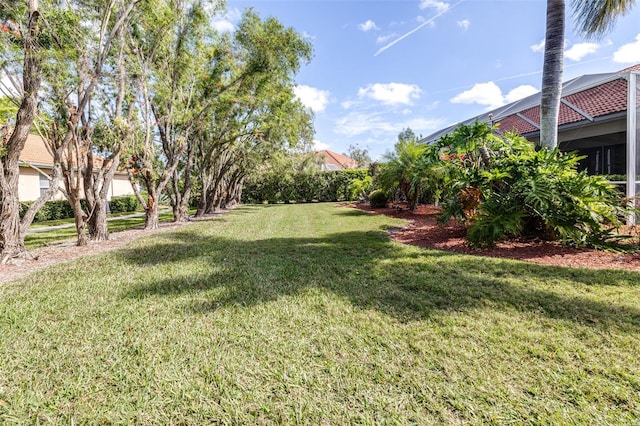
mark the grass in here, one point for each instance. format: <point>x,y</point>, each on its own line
<point>308,314</point>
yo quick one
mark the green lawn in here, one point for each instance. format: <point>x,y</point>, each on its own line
<point>309,314</point>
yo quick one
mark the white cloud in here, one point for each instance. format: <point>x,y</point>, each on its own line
<point>319,146</point>
<point>439,6</point>
<point>348,104</point>
<point>223,26</point>
<point>423,124</point>
<point>481,93</point>
<point>628,53</point>
<point>491,95</point>
<point>580,50</point>
<point>225,23</point>
<point>313,98</point>
<point>538,47</point>
<point>385,38</point>
<point>367,26</point>
<point>357,123</point>
<point>431,23</point>
<point>520,92</point>
<point>376,123</point>
<point>464,24</point>
<point>391,93</point>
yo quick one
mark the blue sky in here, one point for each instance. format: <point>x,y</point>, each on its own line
<point>381,66</point>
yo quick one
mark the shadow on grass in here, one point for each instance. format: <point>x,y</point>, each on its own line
<point>372,273</point>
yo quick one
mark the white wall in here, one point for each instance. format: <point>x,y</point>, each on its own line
<point>29,185</point>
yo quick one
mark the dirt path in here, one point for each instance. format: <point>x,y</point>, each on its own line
<point>66,252</point>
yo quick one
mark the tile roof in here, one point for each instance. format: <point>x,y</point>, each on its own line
<point>513,123</point>
<point>335,159</point>
<point>601,100</point>
<point>37,152</point>
<point>585,98</point>
<point>635,67</point>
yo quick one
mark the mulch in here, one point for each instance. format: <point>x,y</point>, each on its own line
<point>424,230</point>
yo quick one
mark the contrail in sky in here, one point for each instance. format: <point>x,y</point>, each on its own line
<point>427,22</point>
<point>526,74</point>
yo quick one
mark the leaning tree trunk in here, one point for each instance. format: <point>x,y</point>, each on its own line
<point>80,221</point>
<point>11,239</point>
<point>552,74</point>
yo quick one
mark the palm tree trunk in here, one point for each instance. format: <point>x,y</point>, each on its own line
<point>552,74</point>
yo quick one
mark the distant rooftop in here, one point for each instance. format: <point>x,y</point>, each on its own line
<point>334,161</point>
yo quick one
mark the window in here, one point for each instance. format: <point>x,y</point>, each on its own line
<point>44,183</point>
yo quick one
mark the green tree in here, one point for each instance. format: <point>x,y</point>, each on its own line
<point>8,109</point>
<point>257,119</point>
<point>170,46</point>
<point>75,77</point>
<point>360,155</point>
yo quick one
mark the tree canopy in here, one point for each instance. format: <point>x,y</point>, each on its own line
<point>149,87</point>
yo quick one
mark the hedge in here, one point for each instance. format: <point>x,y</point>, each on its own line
<point>61,209</point>
<point>301,186</point>
<point>124,204</point>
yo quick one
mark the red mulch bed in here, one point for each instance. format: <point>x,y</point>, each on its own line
<point>425,231</point>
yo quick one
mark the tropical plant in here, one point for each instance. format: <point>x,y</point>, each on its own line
<point>529,192</point>
<point>360,188</point>
<point>398,171</point>
<point>378,199</point>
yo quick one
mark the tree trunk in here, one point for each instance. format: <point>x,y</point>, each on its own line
<point>11,239</point>
<point>202,204</point>
<point>552,74</point>
<point>151,220</point>
<point>80,221</point>
<point>97,224</point>
<point>182,212</point>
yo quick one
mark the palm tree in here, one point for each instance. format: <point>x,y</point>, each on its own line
<point>593,19</point>
<point>552,74</point>
<point>399,169</point>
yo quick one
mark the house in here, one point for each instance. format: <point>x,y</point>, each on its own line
<point>599,117</point>
<point>330,160</point>
<point>36,163</point>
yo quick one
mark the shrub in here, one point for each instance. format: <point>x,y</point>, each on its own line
<point>51,210</point>
<point>541,194</point>
<point>359,188</point>
<point>302,186</point>
<point>378,199</point>
<point>504,188</point>
<point>124,204</point>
